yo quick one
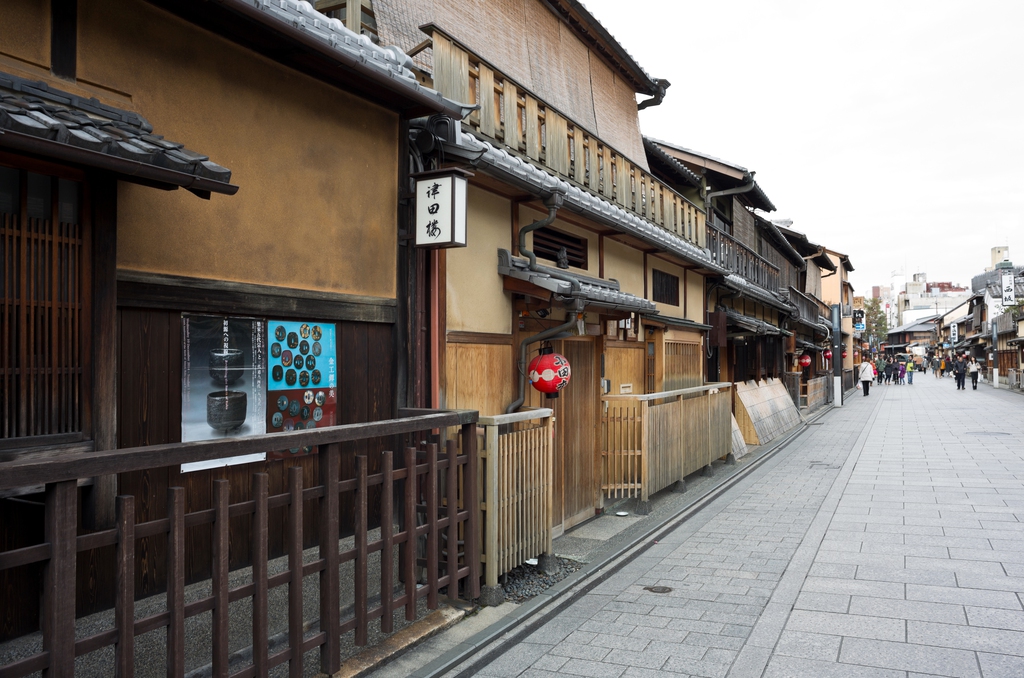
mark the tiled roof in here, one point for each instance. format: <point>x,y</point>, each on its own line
<point>35,117</point>
<point>519,172</point>
<point>752,291</point>
<point>599,293</point>
<point>681,170</point>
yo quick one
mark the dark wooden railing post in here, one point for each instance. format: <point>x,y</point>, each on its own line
<point>433,552</point>
<point>330,594</point>
<point>295,571</point>
<point>471,481</point>
<point>124,602</point>
<point>58,618</point>
<point>221,523</point>
<point>387,534</point>
<point>409,563</point>
<point>362,553</point>
<point>176,582</point>
<point>451,494</point>
<point>260,601</point>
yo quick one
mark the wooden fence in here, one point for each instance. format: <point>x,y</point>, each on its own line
<point>436,510</point>
<point>517,472</point>
<point>817,392</point>
<point>650,441</point>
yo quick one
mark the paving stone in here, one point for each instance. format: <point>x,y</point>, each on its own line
<point>780,666</point>
<point>960,596</point>
<point>908,657</point>
<point>859,626</point>
<point>824,602</point>
<point>1000,665</point>
<point>908,609</point>
<point>808,645</point>
<point>966,637</point>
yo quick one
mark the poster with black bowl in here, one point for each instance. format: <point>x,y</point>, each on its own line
<point>224,382</point>
<point>302,378</point>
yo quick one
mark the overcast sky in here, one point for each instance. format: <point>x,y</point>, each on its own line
<point>892,131</point>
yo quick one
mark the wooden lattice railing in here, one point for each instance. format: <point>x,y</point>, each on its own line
<point>651,441</point>
<point>731,254</point>
<point>437,512</point>
<point>517,470</point>
<point>513,117</point>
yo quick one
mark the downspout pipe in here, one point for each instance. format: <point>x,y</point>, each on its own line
<point>662,86</point>
<point>745,188</point>
<point>553,202</point>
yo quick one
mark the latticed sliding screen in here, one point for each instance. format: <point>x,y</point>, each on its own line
<point>42,292</point>
<point>683,365</point>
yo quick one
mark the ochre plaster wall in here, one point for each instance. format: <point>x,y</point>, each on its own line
<point>695,297</point>
<point>317,168</point>
<point>24,34</point>
<point>477,301</point>
<point>625,264</point>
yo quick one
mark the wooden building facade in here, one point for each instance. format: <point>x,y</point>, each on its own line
<point>105,109</point>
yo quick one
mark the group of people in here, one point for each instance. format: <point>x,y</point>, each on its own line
<point>890,370</point>
<point>960,366</point>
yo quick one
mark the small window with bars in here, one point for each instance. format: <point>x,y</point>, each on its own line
<point>666,288</point>
<point>42,296</point>
<point>562,248</point>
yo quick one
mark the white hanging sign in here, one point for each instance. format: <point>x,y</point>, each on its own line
<point>441,206</point>
<point>1009,293</point>
<point>954,333</point>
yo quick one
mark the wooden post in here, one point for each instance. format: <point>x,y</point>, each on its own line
<point>176,582</point>
<point>387,535</point>
<point>330,594</point>
<point>260,601</point>
<point>491,501</point>
<point>219,583</point>
<point>452,497</point>
<point>644,453</point>
<point>472,547</point>
<point>433,552</point>
<point>124,599</point>
<point>58,614</point>
<point>410,534</point>
<point>362,554</point>
<point>295,571</point>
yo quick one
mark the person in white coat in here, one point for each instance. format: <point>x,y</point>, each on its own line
<point>867,375</point>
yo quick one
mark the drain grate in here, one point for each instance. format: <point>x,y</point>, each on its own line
<point>658,589</point>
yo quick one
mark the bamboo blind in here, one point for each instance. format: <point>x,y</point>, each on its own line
<point>41,298</point>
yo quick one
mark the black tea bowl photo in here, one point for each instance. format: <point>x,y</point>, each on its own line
<point>227,365</point>
<point>226,410</point>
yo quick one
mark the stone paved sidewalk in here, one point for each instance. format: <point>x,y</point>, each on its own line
<point>885,541</point>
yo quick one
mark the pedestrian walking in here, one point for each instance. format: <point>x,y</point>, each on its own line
<point>902,372</point>
<point>910,372</point>
<point>888,371</point>
<point>879,369</point>
<point>935,367</point>
<point>960,373</point>
<point>972,368</point>
<point>942,367</point>
<point>867,375</point>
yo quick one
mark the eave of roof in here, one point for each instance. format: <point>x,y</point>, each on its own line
<point>754,325</point>
<point>528,177</point>
<point>38,119</point>
<point>596,293</point>
<point>726,175</point>
<point>806,248</point>
<point>293,33</point>
<point>677,322</point>
<point>782,242</point>
<point>679,170</point>
<point>751,291</point>
<point>592,32</point>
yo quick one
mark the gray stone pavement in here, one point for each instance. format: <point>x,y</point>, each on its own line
<point>886,541</point>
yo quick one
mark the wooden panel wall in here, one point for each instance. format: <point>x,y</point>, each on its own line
<point>480,377</point>
<point>626,365</point>
<point>684,365</point>
<point>149,413</point>
<point>576,421</point>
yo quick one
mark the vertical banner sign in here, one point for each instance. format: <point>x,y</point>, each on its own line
<point>1009,293</point>
<point>302,391</point>
<point>223,386</point>
<point>954,333</point>
<point>441,200</point>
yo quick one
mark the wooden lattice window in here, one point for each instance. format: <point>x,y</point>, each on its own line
<point>666,288</point>
<point>562,248</point>
<point>683,363</point>
<point>42,294</point>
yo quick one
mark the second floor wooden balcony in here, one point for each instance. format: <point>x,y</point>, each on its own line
<point>513,118</point>
<point>731,254</point>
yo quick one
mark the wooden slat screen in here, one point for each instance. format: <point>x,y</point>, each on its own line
<point>42,290</point>
<point>683,365</point>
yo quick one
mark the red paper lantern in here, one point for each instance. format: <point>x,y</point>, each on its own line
<point>549,372</point>
<point>843,353</point>
<point>828,354</point>
<point>805,360</point>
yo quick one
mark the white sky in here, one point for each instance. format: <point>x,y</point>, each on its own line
<point>890,130</point>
